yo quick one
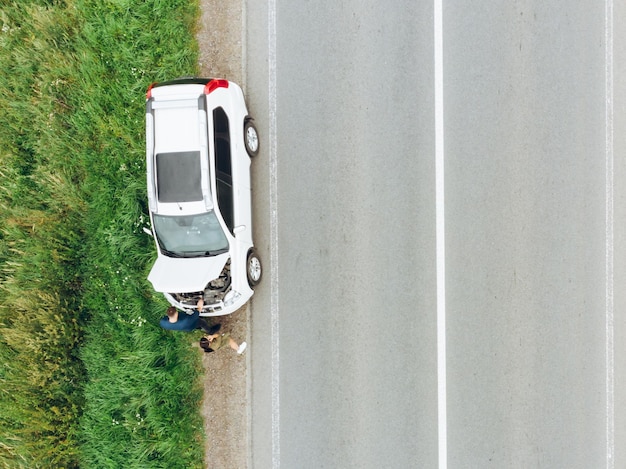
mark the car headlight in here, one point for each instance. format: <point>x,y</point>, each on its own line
<point>231,297</point>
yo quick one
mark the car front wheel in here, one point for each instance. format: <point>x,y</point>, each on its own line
<point>251,138</point>
<point>254,268</point>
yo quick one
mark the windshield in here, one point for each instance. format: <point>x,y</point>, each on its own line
<point>191,235</point>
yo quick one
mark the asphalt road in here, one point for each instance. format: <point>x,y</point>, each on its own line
<point>526,234</point>
<point>344,360</point>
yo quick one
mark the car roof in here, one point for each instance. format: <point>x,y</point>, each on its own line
<point>176,143</point>
<point>177,140</point>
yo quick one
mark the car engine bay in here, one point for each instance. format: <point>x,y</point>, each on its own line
<point>213,294</point>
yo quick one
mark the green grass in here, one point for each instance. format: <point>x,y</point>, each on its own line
<point>88,379</point>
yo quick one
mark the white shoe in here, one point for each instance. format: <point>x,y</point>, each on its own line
<point>242,348</point>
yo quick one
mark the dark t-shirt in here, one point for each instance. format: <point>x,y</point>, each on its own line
<point>186,322</point>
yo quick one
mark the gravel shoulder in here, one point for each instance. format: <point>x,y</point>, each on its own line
<point>225,404</point>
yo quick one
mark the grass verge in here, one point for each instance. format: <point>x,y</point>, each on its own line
<point>88,378</point>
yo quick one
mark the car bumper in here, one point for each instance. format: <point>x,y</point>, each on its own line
<point>221,308</point>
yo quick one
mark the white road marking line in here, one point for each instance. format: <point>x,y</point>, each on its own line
<point>274,290</point>
<point>610,350</point>
<point>441,240</point>
<point>244,45</point>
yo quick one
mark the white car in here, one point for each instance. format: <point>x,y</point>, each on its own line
<point>199,141</point>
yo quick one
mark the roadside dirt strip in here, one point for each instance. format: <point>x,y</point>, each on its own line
<point>221,39</point>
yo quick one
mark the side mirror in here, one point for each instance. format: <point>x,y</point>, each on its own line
<point>239,229</point>
<point>147,231</point>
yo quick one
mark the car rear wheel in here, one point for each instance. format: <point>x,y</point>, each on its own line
<point>253,268</point>
<point>251,138</point>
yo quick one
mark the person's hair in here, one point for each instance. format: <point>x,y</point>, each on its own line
<point>171,311</point>
<point>205,345</point>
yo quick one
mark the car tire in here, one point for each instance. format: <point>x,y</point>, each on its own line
<point>251,138</point>
<point>254,269</point>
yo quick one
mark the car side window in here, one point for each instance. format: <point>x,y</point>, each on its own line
<point>223,166</point>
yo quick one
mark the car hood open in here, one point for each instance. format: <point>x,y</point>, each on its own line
<point>175,275</point>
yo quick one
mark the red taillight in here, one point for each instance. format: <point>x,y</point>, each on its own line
<point>215,84</point>
<point>149,92</point>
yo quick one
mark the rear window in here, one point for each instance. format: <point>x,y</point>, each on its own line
<point>178,177</point>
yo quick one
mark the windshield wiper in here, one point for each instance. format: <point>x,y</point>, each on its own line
<point>172,254</point>
<point>205,253</point>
